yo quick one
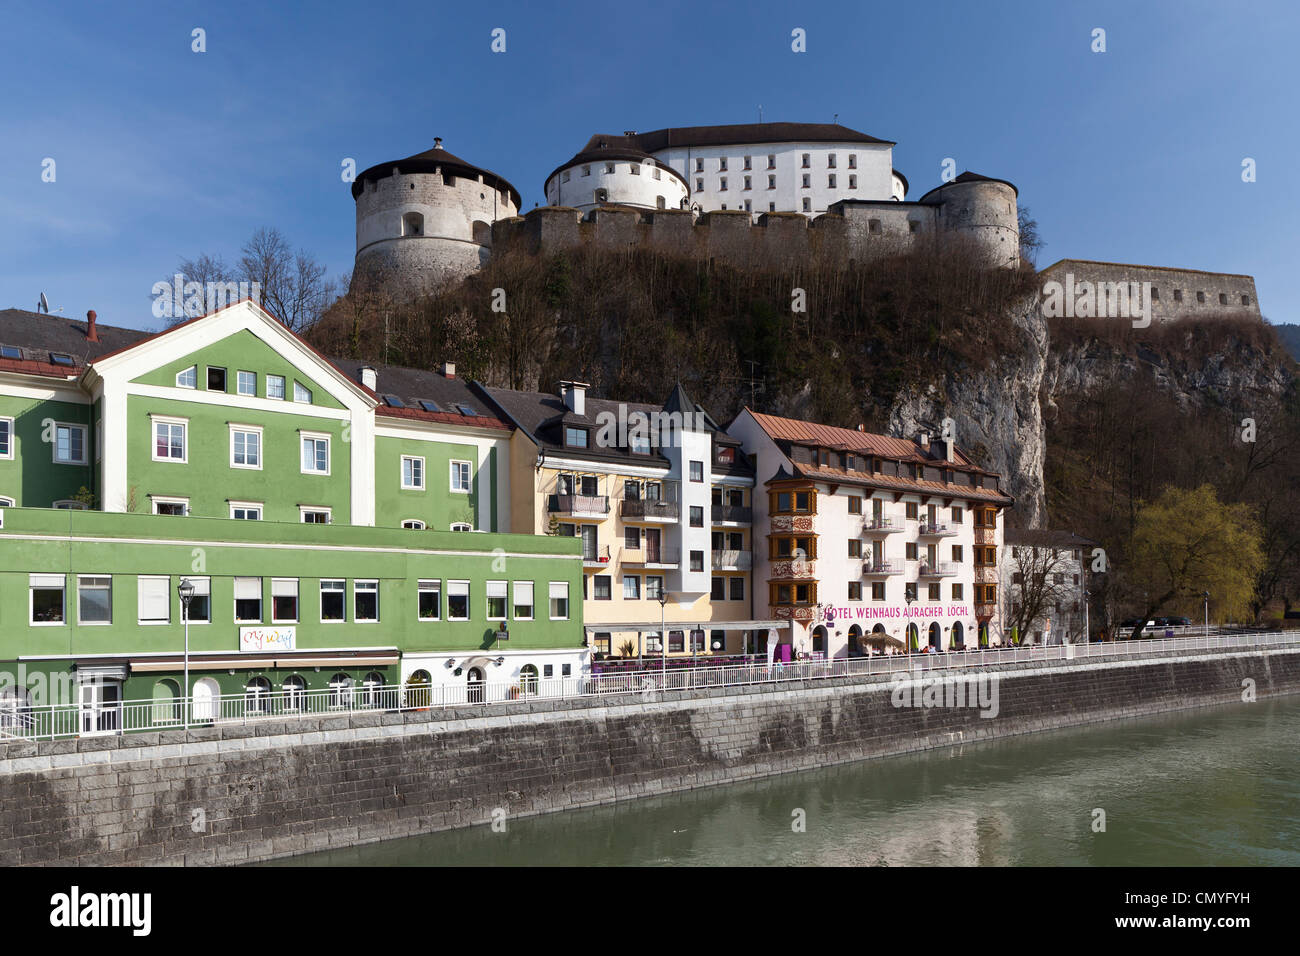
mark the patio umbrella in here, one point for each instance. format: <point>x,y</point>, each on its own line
<point>880,641</point>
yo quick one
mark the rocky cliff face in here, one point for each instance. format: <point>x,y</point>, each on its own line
<point>996,414</point>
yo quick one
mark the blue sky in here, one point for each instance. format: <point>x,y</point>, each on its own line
<point>1132,155</point>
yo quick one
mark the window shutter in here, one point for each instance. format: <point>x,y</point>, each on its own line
<point>523,593</point>
<point>248,589</point>
<point>496,589</point>
<point>284,587</point>
<point>559,589</point>
<point>155,599</point>
<point>46,580</point>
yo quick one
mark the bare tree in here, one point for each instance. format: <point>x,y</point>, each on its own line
<point>293,286</point>
<point>1035,590</point>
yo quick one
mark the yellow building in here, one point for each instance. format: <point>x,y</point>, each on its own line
<point>661,498</point>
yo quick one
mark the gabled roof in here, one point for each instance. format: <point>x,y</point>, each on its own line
<point>848,439</point>
<point>37,335</point>
<point>412,386</point>
<point>734,135</point>
<point>1045,538</point>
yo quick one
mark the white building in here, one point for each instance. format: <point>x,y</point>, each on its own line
<point>866,534</point>
<point>1044,585</point>
<point>756,167</point>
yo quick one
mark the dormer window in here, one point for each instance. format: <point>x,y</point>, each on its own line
<point>575,437</point>
<point>638,444</point>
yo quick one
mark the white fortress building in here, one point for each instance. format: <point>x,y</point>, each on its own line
<point>433,216</point>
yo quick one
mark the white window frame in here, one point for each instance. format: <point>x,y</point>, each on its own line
<point>356,589</point>
<point>469,594</point>
<point>32,588</point>
<point>54,445</point>
<point>278,583</point>
<point>304,510</point>
<point>283,388</point>
<point>504,596</point>
<point>8,424</point>
<point>413,487</point>
<point>343,590</point>
<point>236,428</point>
<point>184,423</point>
<point>139,594</point>
<point>94,577</point>
<point>239,383</point>
<point>249,506</point>
<point>156,500</point>
<point>453,474</point>
<point>517,588</point>
<point>461,526</point>
<point>71,504</point>
<point>551,596</point>
<point>304,436</point>
<point>413,524</point>
<point>261,600</point>
<point>202,588</point>
<point>194,369</point>
<point>7,502</point>
<point>428,586</point>
<point>297,386</point>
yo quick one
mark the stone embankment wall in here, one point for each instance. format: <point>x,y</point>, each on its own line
<point>243,793</point>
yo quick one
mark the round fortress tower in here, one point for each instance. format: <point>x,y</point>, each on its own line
<point>983,208</point>
<point>426,219</point>
<point>616,173</point>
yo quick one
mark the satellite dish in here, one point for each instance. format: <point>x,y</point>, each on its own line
<point>43,305</point>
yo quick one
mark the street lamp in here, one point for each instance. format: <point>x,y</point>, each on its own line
<point>663,639</point>
<point>186,591</point>
<point>907,634</point>
<point>1207,612</point>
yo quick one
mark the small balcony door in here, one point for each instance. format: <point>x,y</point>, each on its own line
<point>589,542</point>
<point>652,545</point>
<point>101,707</point>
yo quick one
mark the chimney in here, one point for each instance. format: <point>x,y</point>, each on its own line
<point>437,142</point>
<point>448,369</point>
<point>948,450</point>
<point>369,378</point>
<point>862,428</point>
<point>575,396</point>
<point>923,440</point>
<point>92,334</point>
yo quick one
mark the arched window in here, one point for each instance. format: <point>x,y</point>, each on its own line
<point>207,699</point>
<point>166,702</point>
<point>418,690</point>
<point>340,690</point>
<point>528,679</point>
<point>294,690</point>
<point>257,696</point>
<point>482,232</point>
<point>370,689</point>
<point>413,224</point>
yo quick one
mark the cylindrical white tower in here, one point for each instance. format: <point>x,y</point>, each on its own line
<point>984,209</point>
<point>616,175</point>
<point>426,219</point>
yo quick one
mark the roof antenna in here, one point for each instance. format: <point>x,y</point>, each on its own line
<point>44,306</point>
<point>760,114</point>
<point>836,120</point>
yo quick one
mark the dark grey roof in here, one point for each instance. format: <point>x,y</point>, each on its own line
<point>1045,538</point>
<point>736,134</point>
<point>608,153</point>
<point>37,335</point>
<point>543,417</point>
<point>413,385</point>
<point>427,162</point>
<point>969,177</point>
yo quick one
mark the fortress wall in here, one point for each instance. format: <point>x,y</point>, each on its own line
<point>1222,292</point>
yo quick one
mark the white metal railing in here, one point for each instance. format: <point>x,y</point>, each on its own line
<point>71,720</point>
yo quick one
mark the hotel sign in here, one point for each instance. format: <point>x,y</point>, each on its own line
<point>258,639</point>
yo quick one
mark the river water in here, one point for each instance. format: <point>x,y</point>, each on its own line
<point>1209,787</point>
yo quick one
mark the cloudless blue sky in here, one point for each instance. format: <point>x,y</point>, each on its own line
<point>1132,155</point>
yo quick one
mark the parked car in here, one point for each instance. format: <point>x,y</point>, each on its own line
<point>1173,622</point>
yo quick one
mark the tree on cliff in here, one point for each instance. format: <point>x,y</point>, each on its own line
<point>1187,542</point>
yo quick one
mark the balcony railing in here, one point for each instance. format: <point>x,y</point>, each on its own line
<point>731,560</point>
<point>940,569</point>
<point>582,505</point>
<point>883,566</point>
<point>643,509</point>
<point>652,557</point>
<point>936,529</point>
<point>594,557</point>
<point>732,514</point>
<point>881,525</point>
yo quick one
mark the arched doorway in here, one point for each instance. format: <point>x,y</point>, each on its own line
<point>528,680</point>
<point>936,636</point>
<point>958,635</point>
<point>855,641</point>
<point>474,681</point>
<point>819,639</point>
<point>913,637</point>
<point>206,693</point>
<point>984,634</point>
